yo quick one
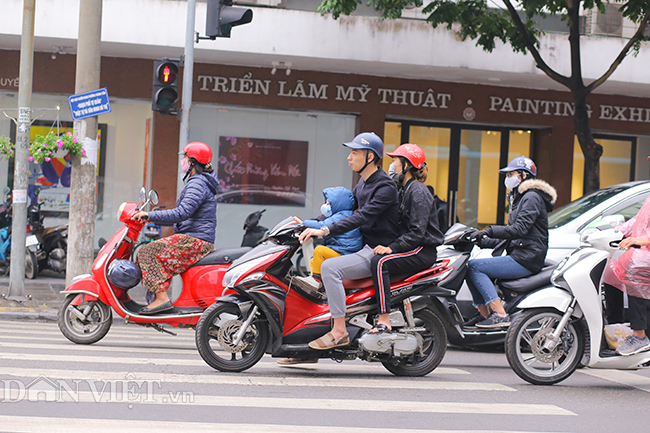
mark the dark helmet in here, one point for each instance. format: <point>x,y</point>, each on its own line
<point>367,140</point>
<point>201,152</point>
<point>521,163</point>
<point>124,274</point>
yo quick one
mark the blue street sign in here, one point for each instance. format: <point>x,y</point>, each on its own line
<point>89,104</point>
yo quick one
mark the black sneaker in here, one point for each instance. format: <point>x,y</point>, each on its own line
<point>495,320</point>
<point>471,323</point>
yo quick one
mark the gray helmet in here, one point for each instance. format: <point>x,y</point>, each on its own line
<point>124,274</point>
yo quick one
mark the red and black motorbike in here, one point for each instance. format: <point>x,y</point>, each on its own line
<point>85,315</point>
<point>268,312</point>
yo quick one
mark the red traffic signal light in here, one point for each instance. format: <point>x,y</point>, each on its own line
<point>164,96</point>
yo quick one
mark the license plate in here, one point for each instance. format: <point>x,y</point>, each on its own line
<point>31,241</point>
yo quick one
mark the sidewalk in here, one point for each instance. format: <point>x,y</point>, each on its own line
<point>43,294</point>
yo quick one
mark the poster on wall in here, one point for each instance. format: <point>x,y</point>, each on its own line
<point>53,177</point>
<point>262,171</point>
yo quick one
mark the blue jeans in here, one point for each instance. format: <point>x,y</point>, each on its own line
<point>481,272</point>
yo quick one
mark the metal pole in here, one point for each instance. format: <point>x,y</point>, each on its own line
<point>188,73</point>
<point>81,232</point>
<point>21,167</point>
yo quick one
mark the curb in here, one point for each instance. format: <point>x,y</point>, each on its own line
<point>26,315</point>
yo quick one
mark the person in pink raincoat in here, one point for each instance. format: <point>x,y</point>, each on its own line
<point>630,273</point>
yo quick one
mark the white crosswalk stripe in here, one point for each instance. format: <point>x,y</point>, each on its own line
<point>34,356</point>
<point>63,425</point>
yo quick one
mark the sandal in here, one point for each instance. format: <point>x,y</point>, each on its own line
<point>378,329</point>
<point>328,341</point>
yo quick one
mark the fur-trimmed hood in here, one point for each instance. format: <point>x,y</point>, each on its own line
<point>543,188</point>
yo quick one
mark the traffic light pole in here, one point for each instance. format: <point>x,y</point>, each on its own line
<point>188,74</point>
<point>81,230</point>
<point>21,164</point>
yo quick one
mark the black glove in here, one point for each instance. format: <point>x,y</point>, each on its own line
<point>478,235</point>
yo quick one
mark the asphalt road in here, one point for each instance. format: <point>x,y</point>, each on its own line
<point>137,379</point>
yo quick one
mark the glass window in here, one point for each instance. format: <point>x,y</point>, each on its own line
<point>573,210</point>
<point>478,177</point>
<point>615,164</point>
<point>519,144</point>
<point>629,208</point>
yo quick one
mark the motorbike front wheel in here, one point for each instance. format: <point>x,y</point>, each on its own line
<point>215,337</point>
<point>525,350</point>
<point>84,331</point>
<point>433,350</point>
<point>31,264</point>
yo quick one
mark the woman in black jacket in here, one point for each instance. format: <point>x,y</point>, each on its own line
<point>525,239</point>
<point>419,235</point>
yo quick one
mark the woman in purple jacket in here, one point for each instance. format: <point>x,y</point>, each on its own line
<point>195,222</point>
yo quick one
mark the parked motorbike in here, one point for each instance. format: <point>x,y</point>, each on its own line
<point>85,315</point>
<point>31,242</point>
<point>545,344</point>
<point>52,246</point>
<point>269,312</point>
<point>253,231</point>
<point>457,248</point>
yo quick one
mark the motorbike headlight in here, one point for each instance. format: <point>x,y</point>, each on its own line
<point>234,274</point>
<point>120,210</point>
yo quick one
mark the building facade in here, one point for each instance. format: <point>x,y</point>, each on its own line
<point>276,122</point>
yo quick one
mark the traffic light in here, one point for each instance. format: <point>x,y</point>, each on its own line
<point>164,96</point>
<point>222,17</point>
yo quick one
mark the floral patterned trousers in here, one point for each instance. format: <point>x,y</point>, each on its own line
<point>162,259</point>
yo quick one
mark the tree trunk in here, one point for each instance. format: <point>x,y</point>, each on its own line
<point>590,149</point>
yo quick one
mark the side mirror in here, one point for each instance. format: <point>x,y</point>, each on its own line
<point>143,194</point>
<point>101,242</point>
<point>153,197</point>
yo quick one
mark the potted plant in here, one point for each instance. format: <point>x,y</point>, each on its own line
<point>44,148</point>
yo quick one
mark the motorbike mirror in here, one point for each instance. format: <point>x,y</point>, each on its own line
<point>153,197</point>
<point>143,194</point>
<point>101,242</point>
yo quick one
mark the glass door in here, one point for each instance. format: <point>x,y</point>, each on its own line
<point>464,165</point>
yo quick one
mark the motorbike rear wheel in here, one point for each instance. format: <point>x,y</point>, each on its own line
<point>88,331</point>
<point>215,333</point>
<point>527,357</point>
<point>433,350</point>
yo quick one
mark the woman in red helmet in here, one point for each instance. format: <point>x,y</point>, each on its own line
<point>195,223</point>
<point>418,231</point>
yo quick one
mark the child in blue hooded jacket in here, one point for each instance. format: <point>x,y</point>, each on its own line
<point>339,203</point>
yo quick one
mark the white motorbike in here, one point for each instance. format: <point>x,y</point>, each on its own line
<point>545,344</point>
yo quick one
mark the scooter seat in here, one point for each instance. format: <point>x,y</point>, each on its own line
<point>360,284</point>
<point>530,283</point>
<point>222,256</point>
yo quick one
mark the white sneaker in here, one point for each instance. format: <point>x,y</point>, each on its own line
<point>309,283</point>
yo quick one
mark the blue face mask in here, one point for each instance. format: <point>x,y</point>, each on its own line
<point>326,210</point>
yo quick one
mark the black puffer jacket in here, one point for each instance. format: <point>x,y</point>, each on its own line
<point>527,229</point>
<point>377,211</point>
<point>418,219</point>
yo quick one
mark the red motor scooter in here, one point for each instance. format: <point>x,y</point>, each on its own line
<point>269,312</point>
<point>85,315</point>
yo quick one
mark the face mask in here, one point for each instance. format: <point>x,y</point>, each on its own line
<point>326,210</point>
<point>512,182</point>
<point>185,165</point>
<point>392,174</point>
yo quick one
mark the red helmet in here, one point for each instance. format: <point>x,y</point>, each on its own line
<point>412,152</point>
<point>201,152</point>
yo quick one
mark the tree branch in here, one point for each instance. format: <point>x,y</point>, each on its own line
<point>624,52</point>
<point>541,64</point>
